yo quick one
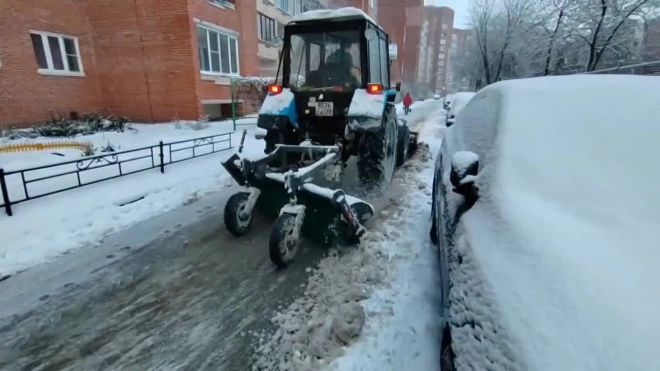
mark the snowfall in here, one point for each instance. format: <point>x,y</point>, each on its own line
<point>382,311</point>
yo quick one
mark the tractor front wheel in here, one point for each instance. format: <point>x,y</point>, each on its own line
<point>284,240</point>
<point>237,221</point>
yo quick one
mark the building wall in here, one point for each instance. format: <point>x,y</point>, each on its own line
<point>268,51</point>
<point>215,89</point>
<point>392,19</point>
<point>368,6</point>
<point>441,21</point>
<point>409,52</point>
<point>144,58</point>
<point>26,96</point>
<point>457,59</point>
<point>139,58</point>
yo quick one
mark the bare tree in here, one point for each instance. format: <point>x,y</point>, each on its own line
<point>604,27</point>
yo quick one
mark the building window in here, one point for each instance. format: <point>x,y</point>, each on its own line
<point>267,28</point>
<point>445,26</point>
<point>58,54</point>
<point>285,5</point>
<point>227,3</point>
<point>218,52</point>
<point>441,55</point>
<point>443,42</point>
<point>442,48</point>
<point>441,63</point>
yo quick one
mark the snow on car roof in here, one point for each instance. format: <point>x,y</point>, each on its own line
<point>459,100</point>
<point>332,13</point>
<point>566,232</point>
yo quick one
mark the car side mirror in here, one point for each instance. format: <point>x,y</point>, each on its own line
<point>464,171</point>
<point>398,86</point>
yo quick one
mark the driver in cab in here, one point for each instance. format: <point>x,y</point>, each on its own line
<point>341,69</point>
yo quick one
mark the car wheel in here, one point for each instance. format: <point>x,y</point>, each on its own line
<point>434,224</point>
<point>447,355</point>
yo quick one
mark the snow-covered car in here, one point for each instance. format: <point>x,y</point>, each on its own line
<point>546,223</point>
<point>459,100</point>
<point>436,96</point>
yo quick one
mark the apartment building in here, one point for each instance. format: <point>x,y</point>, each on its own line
<point>393,17</point>
<point>272,15</point>
<point>435,44</point>
<point>145,59</point>
<point>458,54</point>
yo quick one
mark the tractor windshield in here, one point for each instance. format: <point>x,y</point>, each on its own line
<point>325,61</point>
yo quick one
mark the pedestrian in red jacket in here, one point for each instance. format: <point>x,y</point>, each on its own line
<point>407,102</point>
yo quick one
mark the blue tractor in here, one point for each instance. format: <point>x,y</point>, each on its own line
<point>332,100</point>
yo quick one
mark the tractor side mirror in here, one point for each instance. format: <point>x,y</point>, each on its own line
<point>464,171</point>
<point>398,86</point>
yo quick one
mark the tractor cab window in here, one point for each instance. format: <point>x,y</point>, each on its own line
<point>325,61</point>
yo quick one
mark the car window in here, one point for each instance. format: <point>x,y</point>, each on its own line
<point>476,126</point>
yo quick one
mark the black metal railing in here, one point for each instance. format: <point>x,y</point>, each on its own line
<point>22,185</point>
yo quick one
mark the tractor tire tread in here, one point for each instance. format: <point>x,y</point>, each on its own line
<point>232,220</point>
<point>278,233</point>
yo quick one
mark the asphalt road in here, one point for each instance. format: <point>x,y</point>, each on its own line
<point>187,300</point>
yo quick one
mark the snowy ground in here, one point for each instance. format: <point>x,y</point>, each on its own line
<point>43,229</point>
<point>376,307</point>
<point>163,295</point>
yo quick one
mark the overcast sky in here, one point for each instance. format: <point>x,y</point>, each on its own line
<point>459,6</point>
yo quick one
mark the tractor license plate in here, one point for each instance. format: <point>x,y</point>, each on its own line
<point>324,108</point>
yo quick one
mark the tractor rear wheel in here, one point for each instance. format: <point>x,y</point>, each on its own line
<point>404,143</point>
<point>377,151</point>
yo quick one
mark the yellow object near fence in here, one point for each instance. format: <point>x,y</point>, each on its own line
<point>23,147</point>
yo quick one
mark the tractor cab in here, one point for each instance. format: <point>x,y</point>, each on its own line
<point>325,60</point>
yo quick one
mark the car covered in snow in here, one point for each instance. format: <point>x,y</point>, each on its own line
<point>458,101</point>
<point>546,224</point>
<point>436,96</point>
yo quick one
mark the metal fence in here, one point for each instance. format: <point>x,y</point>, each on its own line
<point>22,185</point>
<point>644,69</point>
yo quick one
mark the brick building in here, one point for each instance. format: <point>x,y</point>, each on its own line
<point>392,15</point>
<point>409,52</point>
<point>271,17</point>
<point>435,44</point>
<point>145,59</point>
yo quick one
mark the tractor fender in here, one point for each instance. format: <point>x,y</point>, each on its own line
<point>278,105</point>
<point>366,110</point>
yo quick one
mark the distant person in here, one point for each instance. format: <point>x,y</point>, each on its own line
<point>407,102</point>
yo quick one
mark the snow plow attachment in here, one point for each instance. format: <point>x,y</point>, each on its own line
<point>282,186</point>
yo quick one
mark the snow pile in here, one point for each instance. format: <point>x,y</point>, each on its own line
<point>274,104</point>
<point>405,321</point>
<point>459,101</point>
<point>368,105</point>
<point>565,234</point>
<point>44,229</point>
<point>316,328</point>
<point>462,160</point>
